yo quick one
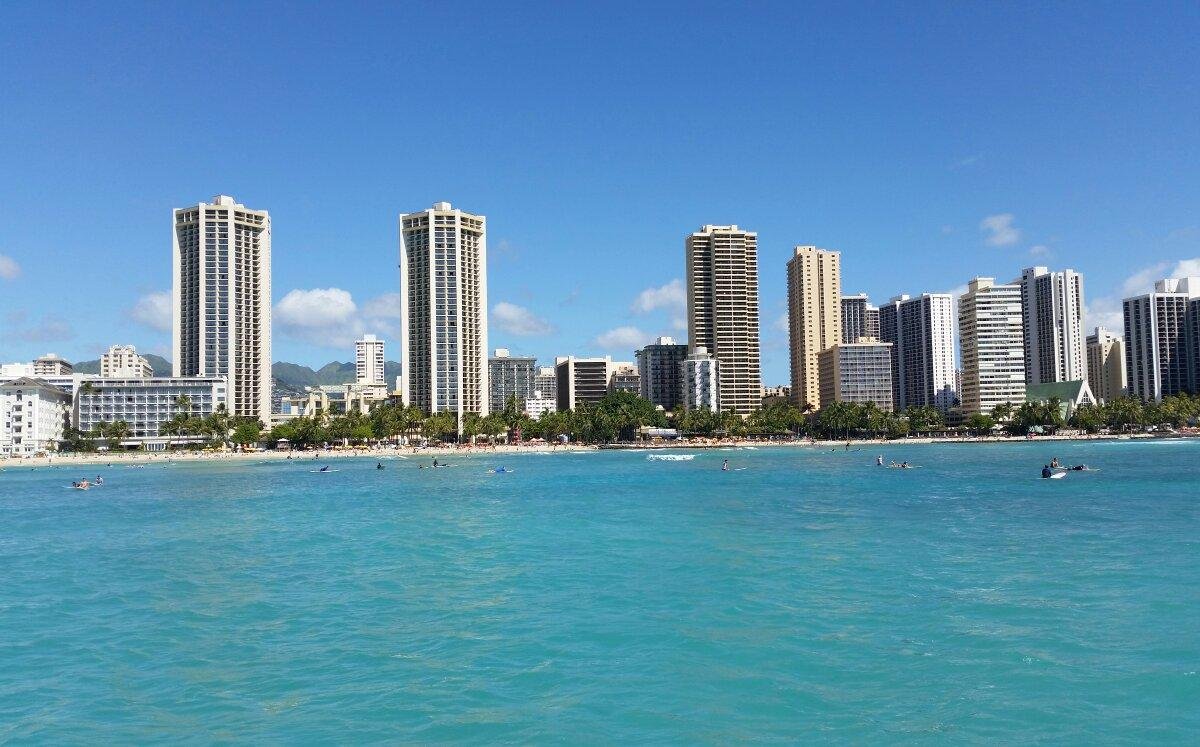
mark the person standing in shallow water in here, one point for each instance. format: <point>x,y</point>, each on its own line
<point>725,466</point>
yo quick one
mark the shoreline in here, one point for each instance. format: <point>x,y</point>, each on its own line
<point>142,457</point>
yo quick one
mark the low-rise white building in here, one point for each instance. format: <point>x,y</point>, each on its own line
<point>33,415</point>
<point>336,398</point>
<point>540,403</point>
<point>51,364</point>
<point>145,404</point>
<point>701,381</point>
<point>123,362</point>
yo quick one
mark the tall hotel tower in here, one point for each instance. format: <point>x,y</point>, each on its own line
<point>221,300</point>
<point>1052,309</point>
<point>722,306</point>
<point>443,312</point>
<point>993,346</point>
<point>921,331</point>
<point>814,278</point>
<point>1162,329</point>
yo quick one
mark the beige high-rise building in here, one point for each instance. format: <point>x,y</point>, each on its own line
<point>814,279</point>
<point>443,311</point>
<point>1106,365</point>
<point>221,300</point>
<point>722,305</point>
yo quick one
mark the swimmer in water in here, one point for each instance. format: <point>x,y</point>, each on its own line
<point>879,461</point>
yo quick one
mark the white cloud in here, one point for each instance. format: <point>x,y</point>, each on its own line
<point>49,328</point>
<point>386,306</point>
<point>1000,230</point>
<point>1187,268</point>
<point>782,324</point>
<point>518,320</point>
<point>967,161</point>
<point>9,269</point>
<point>669,296</point>
<point>327,317</point>
<point>947,230</point>
<point>623,338</point>
<point>1039,250</point>
<point>153,310</point>
<point>1108,311</point>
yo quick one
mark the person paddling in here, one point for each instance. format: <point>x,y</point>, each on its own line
<point>725,466</point>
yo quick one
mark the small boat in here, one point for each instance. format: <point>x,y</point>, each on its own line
<point>671,457</point>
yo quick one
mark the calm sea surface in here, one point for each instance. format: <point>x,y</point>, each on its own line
<point>602,597</point>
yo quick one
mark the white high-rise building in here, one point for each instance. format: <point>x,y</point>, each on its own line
<point>722,306</point>
<point>122,361</point>
<point>701,381</point>
<point>921,331</point>
<point>1106,365</point>
<point>369,361</point>
<point>1052,313</point>
<point>1159,358</point>
<point>443,312</point>
<point>993,346</point>
<point>221,300</point>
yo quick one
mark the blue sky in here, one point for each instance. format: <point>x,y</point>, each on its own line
<point>929,145</point>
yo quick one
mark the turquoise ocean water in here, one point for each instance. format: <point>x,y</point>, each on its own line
<point>602,597</point>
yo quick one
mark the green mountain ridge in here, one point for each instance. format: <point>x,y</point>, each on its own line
<point>292,376</point>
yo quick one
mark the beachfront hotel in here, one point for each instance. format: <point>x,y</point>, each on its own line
<point>859,318</point>
<point>33,415</point>
<point>921,331</point>
<point>814,287</point>
<point>369,361</point>
<point>1160,331</point>
<point>221,300</point>
<point>443,310</point>
<point>145,404</point>
<point>993,348</point>
<point>1052,313</point>
<point>858,372</point>
<point>660,366</point>
<point>1106,365</point>
<point>722,308</point>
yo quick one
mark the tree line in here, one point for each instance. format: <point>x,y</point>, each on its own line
<point>619,415</point>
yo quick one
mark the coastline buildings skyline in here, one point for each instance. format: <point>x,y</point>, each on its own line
<point>1029,329</point>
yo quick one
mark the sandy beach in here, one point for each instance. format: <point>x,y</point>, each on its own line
<point>143,457</point>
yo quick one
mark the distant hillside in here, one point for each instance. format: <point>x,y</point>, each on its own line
<point>294,376</point>
<point>161,366</point>
<point>290,377</point>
